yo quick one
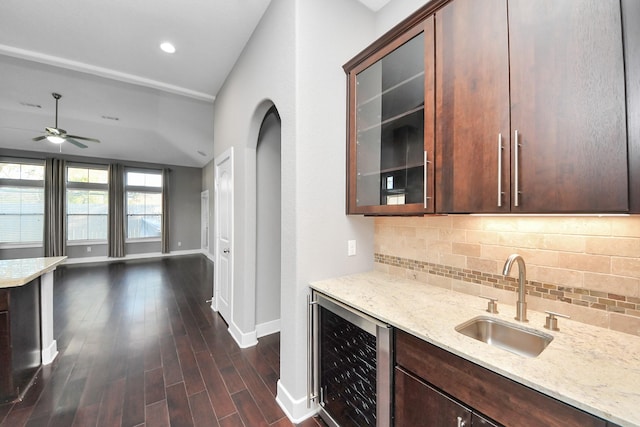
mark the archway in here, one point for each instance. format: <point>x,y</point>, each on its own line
<point>268,225</point>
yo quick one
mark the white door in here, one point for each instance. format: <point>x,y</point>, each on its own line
<point>204,219</point>
<point>223,285</point>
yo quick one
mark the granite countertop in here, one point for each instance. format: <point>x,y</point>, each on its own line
<point>18,272</point>
<point>591,368</point>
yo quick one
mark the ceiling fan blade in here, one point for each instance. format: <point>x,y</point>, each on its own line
<point>84,138</point>
<point>39,138</point>
<point>74,142</point>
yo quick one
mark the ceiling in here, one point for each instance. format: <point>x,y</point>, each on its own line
<point>103,57</point>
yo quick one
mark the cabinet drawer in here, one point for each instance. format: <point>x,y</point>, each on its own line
<point>502,399</point>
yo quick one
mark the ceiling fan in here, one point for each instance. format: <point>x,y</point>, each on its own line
<point>58,136</point>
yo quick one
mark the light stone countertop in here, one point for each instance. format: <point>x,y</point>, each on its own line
<point>18,272</point>
<point>591,368</point>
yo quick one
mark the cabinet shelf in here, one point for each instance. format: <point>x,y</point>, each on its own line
<point>393,169</point>
<point>391,119</point>
<point>390,89</point>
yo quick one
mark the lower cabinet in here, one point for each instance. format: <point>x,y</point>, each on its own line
<point>20,347</point>
<point>420,405</point>
<point>436,388</point>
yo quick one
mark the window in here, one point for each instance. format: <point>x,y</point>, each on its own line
<point>144,204</point>
<point>21,202</point>
<point>87,203</point>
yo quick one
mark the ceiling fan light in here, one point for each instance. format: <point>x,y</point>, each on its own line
<point>55,139</point>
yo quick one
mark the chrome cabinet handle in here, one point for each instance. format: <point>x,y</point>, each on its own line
<point>426,187</point>
<point>460,422</point>
<point>516,191</point>
<point>226,251</point>
<point>500,170</point>
<point>311,396</point>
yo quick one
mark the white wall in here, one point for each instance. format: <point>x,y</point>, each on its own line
<point>394,12</point>
<point>308,88</point>
<point>268,240</point>
<point>294,61</point>
<point>264,75</point>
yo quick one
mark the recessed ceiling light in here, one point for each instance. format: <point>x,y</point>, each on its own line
<point>168,47</point>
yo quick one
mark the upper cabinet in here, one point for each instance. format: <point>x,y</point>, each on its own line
<point>472,107</point>
<point>631,36</point>
<point>391,127</point>
<point>567,106</point>
<point>497,106</point>
<point>530,109</point>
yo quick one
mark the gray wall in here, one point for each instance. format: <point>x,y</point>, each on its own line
<point>184,215</point>
<point>184,207</point>
<point>268,242</point>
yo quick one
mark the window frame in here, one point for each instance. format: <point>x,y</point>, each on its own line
<point>140,189</point>
<point>26,183</point>
<point>85,186</point>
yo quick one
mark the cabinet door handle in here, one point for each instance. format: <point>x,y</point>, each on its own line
<point>311,394</point>
<point>516,191</point>
<point>461,423</point>
<point>426,187</point>
<point>500,170</point>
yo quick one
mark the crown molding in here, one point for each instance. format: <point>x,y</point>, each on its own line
<point>102,72</point>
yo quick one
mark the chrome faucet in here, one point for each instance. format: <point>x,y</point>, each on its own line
<point>521,306</point>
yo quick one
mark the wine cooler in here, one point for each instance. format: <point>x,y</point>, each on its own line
<point>350,364</point>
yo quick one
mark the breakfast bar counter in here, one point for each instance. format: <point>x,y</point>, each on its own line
<point>26,322</point>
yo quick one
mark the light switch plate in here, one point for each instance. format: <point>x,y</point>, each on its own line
<point>351,247</point>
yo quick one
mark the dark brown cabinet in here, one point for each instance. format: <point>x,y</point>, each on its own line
<point>631,35</point>
<point>497,106</point>
<point>530,112</point>
<point>568,106</point>
<point>472,107</point>
<point>391,127</point>
<point>424,369</point>
<point>418,404</point>
<point>20,346</point>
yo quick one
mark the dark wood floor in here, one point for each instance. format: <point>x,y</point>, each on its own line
<point>139,346</point>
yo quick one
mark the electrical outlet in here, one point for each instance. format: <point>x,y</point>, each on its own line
<point>179,244</point>
<point>88,248</point>
<point>351,247</point>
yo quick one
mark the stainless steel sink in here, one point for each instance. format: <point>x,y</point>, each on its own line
<point>505,335</point>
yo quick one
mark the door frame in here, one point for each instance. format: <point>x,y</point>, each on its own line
<point>227,155</point>
<point>205,217</point>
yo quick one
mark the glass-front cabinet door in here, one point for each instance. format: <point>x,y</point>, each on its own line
<point>391,107</point>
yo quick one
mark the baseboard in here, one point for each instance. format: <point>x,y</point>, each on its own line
<point>267,328</point>
<point>129,257</point>
<point>295,409</point>
<point>49,354</point>
<point>244,340</point>
<point>209,255</point>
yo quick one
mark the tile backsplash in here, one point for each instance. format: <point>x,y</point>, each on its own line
<point>585,267</point>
